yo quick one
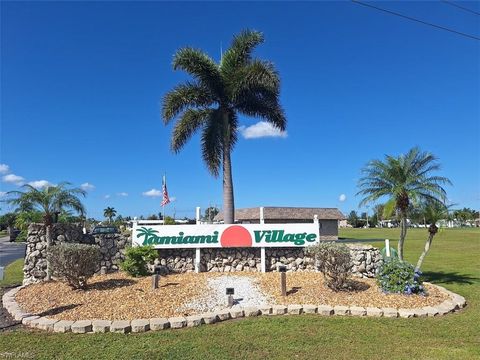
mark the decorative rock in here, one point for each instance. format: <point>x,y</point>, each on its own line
<point>358,311</point>
<point>341,310</point>
<point>140,325</point>
<point>309,309</point>
<point>459,301</point>
<point>27,321</point>
<point>236,312</point>
<point>194,320</point>
<point>265,310</point>
<point>325,310</point>
<point>209,318</point>
<point>120,326</point>
<point>46,323</point>
<point>279,310</point>
<point>101,326</point>
<point>390,312</point>
<point>373,311</point>
<point>177,322</point>
<point>295,309</point>
<point>34,322</point>
<point>81,326</point>
<point>19,315</point>
<point>63,326</point>
<point>159,324</point>
<point>251,311</point>
<point>406,313</point>
<point>419,313</point>
<point>449,304</point>
<point>444,308</point>
<point>223,315</point>
<point>431,310</point>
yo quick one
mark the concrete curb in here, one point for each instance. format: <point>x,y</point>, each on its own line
<point>454,303</point>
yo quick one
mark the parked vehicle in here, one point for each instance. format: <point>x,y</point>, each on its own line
<point>105,230</point>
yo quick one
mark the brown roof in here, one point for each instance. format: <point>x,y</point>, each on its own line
<point>282,213</point>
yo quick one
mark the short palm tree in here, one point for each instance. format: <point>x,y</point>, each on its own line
<point>403,179</point>
<point>109,213</point>
<point>212,101</point>
<point>433,211</point>
<point>50,201</point>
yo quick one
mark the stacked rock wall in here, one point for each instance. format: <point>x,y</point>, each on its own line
<point>112,248</point>
<point>366,259</point>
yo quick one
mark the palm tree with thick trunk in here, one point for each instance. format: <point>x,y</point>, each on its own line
<point>50,201</point>
<point>213,100</point>
<point>109,213</point>
<point>403,179</point>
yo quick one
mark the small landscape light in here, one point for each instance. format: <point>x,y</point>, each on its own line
<point>230,292</point>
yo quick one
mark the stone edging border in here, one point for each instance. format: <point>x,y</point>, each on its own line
<point>456,302</point>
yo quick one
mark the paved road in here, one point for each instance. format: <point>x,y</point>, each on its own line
<point>10,251</point>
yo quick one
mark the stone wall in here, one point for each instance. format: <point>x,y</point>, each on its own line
<point>366,258</point>
<point>112,248</point>
<point>175,261</point>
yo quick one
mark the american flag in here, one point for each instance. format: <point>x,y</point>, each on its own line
<point>165,199</point>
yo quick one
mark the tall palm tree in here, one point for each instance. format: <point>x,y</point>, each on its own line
<point>212,101</point>
<point>402,179</point>
<point>50,201</point>
<point>109,213</point>
<point>433,212</point>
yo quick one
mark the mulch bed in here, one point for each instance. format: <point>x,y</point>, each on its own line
<point>120,297</point>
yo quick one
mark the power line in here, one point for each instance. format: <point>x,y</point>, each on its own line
<point>460,7</point>
<point>417,20</point>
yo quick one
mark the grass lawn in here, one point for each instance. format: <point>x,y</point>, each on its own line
<point>453,262</point>
<point>13,274</point>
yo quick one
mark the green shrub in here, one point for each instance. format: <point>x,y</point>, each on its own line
<point>75,263</point>
<point>335,263</point>
<point>396,276</point>
<point>136,260</point>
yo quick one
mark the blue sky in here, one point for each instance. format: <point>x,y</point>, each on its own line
<point>81,85</point>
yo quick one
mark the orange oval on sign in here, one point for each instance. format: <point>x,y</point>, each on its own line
<point>236,236</point>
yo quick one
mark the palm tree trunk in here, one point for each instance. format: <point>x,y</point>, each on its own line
<point>48,234</point>
<point>403,234</point>
<point>228,200</point>
<point>425,251</point>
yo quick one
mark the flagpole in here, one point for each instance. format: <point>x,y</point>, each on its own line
<point>163,203</point>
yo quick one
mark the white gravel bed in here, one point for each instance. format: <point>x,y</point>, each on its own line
<point>247,293</point>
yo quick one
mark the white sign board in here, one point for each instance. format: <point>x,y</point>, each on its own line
<point>225,236</point>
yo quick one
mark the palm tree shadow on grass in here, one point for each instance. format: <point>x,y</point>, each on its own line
<point>449,277</point>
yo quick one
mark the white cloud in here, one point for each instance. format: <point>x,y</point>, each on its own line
<point>87,186</point>
<point>152,193</point>
<point>40,184</point>
<point>342,197</point>
<point>107,196</point>
<point>122,194</point>
<point>4,169</point>
<point>261,129</point>
<point>13,179</point>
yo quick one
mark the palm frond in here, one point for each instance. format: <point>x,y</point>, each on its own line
<point>183,96</point>
<point>187,125</point>
<point>201,67</point>
<point>213,141</point>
